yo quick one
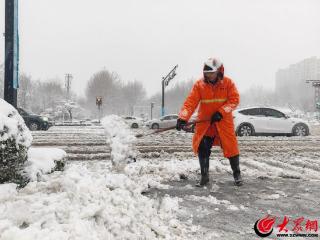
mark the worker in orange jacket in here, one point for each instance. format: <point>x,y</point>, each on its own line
<point>216,96</point>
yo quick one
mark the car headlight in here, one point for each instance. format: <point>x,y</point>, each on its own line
<point>44,119</point>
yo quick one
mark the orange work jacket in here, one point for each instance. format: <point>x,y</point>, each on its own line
<point>222,97</point>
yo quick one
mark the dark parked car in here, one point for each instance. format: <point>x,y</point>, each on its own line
<point>34,121</point>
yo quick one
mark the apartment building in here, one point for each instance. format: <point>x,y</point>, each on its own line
<point>291,87</point>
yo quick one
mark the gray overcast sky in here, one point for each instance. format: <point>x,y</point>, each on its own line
<point>144,39</point>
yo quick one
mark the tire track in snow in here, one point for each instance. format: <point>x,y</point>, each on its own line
<point>81,143</point>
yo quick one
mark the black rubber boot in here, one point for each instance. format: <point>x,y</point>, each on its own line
<point>204,157</point>
<point>234,163</point>
<point>203,181</point>
<point>204,177</point>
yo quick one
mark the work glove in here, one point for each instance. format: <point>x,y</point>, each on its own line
<point>216,117</point>
<point>180,124</point>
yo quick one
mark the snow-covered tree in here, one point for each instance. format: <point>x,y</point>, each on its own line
<point>38,96</point>
<point>107,85</point>
<point>257,95</point>
<point>133,93</point>
<point>25,91</point>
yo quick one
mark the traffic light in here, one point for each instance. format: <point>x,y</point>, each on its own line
<point>98,101</point>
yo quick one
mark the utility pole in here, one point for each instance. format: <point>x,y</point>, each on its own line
<point>165,82</point>
<point>151,108</point>
<point>316,85</point>
<point>68,79</point>
<point>11,72</point>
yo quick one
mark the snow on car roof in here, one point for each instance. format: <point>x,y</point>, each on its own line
<point>281,109</point>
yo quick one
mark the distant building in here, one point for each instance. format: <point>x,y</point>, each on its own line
<point>291,87</point>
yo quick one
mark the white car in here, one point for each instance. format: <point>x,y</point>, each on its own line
<point>164,122</point>
<point>268,121</point>
<point>133,122</point>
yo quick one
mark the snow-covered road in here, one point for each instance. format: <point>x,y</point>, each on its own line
<point>80,142</point>
<point>282,178</point>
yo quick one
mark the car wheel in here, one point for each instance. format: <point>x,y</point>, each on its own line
<point>155,126</point>
<point>300,130</point>
<point>245,130</point>
<point>33,126</point>
<point>134,125</point>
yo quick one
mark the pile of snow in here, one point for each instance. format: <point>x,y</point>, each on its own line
<point>153,174</point>
<point>17,163</point>
<point>12,126</point>
<point>121,140</point>
<point>43,160</point>
<point>89,200</point>
<point>86,201</point>
<point>15,139</point>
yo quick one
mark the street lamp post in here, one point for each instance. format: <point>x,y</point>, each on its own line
<point>162,99</point>
<point>165,82</point>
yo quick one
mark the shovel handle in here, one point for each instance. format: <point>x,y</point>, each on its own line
<point>169,128</point>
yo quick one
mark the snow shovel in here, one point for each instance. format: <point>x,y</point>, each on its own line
<point>168,128</point>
